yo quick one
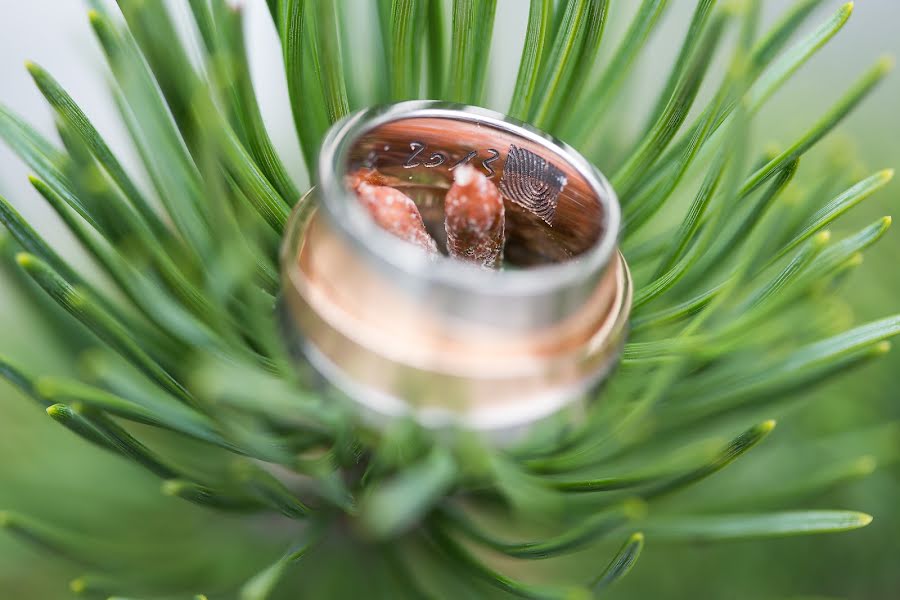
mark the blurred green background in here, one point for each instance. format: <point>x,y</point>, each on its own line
<point>854,421</point>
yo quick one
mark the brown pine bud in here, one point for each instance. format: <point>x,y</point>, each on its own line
<point>474,219</point>
<point>370,176</point>
<point>396,213</point>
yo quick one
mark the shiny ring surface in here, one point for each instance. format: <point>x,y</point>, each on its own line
<point>404,334</point>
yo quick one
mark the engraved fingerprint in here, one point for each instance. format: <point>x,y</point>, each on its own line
<point>532,182</point>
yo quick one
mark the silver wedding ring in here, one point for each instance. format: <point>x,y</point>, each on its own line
<point>402,333</point>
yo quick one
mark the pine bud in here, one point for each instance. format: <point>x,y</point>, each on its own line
<point>396,213</point>
<point>474,219</point>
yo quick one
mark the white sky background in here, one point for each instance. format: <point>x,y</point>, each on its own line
<point>56,34</point>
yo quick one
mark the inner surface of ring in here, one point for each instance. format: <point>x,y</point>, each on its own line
<point>552,213</point>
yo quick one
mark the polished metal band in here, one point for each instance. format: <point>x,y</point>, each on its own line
<point>403,333</point>
<point>587,215</point>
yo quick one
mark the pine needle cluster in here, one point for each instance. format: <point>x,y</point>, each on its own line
<point>183,370</point>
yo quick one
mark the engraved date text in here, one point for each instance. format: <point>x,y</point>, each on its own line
<point>421,156</point>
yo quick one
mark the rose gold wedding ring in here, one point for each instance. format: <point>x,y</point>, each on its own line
<point>403,332</point>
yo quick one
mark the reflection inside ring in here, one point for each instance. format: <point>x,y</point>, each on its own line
<point>551,214</point>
